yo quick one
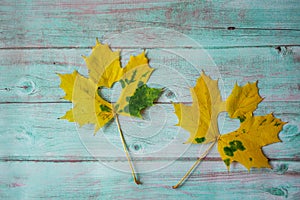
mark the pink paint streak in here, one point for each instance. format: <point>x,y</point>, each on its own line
<point>95,183</point>
<point>253,78</point>
<point>13,185</point>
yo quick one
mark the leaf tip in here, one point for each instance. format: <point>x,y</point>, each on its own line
<point>58,74</point>
<point>236,85</point>
<point>144,52</point>
<point>97,41</point>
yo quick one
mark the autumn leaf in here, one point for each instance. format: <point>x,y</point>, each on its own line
<point>88,105</point>
<point>243,145</point>
<point>243,100</point>
<point>135,95</point>
<point>200,119</point>
<point>104,70</point>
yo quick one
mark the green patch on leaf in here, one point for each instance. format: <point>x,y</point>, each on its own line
<point>132,78</point>
<point>140,83</point>
<point>234,146</point>
<point>227,162</point>
<point>241,118</point>
<point>142,98</point>
<point>262,122</point>
<point>104,108</point>
<point>123,84</point>
<point>277,124</point>
<point>237,145</point>
<point>228,151</point>
<point>117,106</point>
<point>145,74</point>
<point>200,140</point>
<point>126,109</point>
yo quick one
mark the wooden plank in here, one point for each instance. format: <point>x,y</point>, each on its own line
<point>29,180</point>
<point>212,24</point>
<point>29,75</point>
<point>33,132</point>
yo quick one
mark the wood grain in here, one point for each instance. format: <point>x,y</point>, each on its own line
<point>235,41</point>
<point>33,130</point>
<point>258,23</point>
<point>94,181</point>
<point>25,80</point>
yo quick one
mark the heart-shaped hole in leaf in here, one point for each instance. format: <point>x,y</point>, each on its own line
<point>112,94</point>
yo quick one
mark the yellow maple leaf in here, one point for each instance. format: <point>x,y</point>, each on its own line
<point>104,70</point>
<point>104,65</point>
<point>243,100</point>
<point>200,119</point>
<point>243,145</point>
<point>89,107</point>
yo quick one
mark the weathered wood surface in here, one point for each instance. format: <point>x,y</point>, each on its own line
<point>34,130</point>
<point>43,157</point>
<point>86,180</point>
<point>25,79</point>
<point>43,24</point>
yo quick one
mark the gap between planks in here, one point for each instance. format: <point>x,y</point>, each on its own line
<point>122,159</point>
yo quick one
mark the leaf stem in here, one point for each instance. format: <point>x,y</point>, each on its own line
<point>194,166</point>
<point>126,151</point>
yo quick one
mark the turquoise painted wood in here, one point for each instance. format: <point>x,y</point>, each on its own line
<point>235,41</point>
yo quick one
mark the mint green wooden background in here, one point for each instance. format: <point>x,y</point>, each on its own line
<point>42,157</point>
